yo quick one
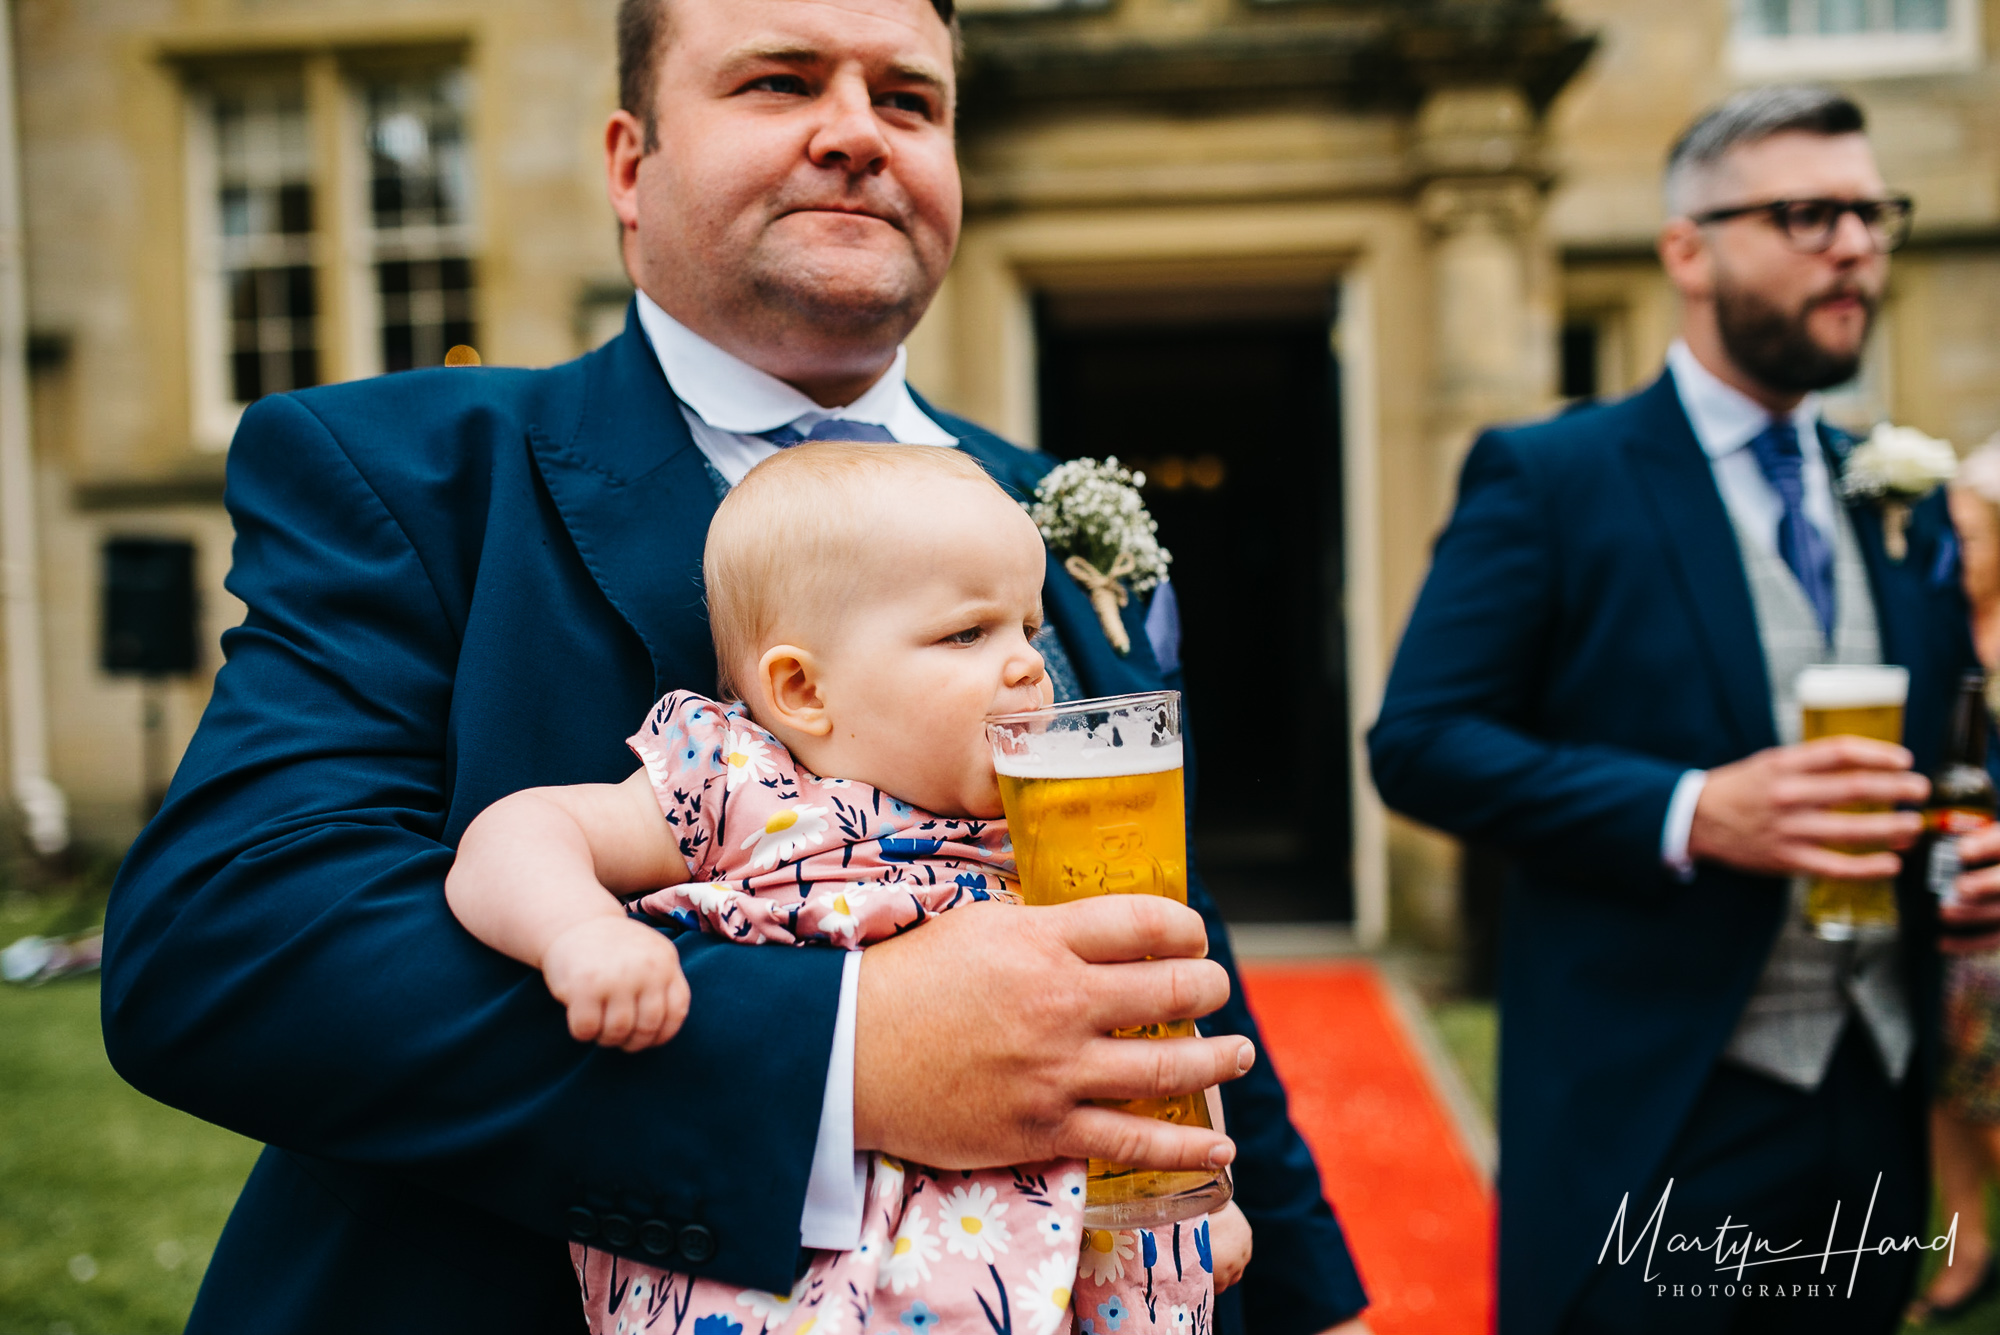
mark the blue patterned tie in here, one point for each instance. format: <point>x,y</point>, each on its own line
<point>1802,545</point>
<point>833,428</point>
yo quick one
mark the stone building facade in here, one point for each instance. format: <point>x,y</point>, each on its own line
<point>1287,254</point>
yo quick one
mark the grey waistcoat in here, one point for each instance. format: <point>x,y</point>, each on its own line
<point>1795,1016</point>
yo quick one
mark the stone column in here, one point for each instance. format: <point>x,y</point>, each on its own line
<point>1494,310</point>
<point>1493,271</point>
<point>43,806</point>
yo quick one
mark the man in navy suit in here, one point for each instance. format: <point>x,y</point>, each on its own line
<point>462,583</point>
<point>1599,677</point>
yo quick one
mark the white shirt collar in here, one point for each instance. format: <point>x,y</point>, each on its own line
<point>1725,419</point>
<point>731,395</point>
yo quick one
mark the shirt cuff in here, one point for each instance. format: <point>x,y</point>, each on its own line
<point>1680,823</point>
<point>834,1189</point>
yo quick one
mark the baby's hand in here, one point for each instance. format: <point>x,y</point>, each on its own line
<point>621,980</point>
<point>1228,1244</point>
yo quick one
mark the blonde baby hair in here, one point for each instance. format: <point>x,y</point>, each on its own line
<point>789,542</point>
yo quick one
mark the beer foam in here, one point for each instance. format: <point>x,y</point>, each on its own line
<point>1076,755</point>
<point>1853,686</point>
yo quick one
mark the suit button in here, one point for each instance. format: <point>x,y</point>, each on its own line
<point>582,1224</point>
<point>618,1231</point>
<point>657,1238</point>
<point>697,1244</point>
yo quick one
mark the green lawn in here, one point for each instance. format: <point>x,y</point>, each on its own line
<point>1983,1319</point>
<point>1471,1034</point>
<point>110,1203</point>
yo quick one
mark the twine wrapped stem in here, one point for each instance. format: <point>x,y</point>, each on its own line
<point>1107,595</point>
<point>1896,529</point>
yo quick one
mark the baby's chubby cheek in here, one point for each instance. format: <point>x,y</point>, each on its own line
<point>982,795</point>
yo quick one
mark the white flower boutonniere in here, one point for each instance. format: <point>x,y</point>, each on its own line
<point>1090,513</point>
<point>1897,465</point>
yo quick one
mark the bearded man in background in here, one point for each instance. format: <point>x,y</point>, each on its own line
<point>1599,677</point>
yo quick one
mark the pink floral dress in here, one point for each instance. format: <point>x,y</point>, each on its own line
<point>781,856</point>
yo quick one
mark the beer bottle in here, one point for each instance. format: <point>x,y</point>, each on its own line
<point>1962,795</point>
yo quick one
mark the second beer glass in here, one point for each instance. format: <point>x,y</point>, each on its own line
<point>1852,701</point>
<point>1094,806</point>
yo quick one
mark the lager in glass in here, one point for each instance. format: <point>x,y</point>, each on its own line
<point>1853,701</point>
<point>1094,805</point>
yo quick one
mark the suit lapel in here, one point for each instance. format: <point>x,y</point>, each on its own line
<point>636,499</point>
<point>1100,669</point>
<point>1694,530</point>
<point>1897,585</point>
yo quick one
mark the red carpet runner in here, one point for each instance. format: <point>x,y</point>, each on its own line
<point>1418,1215</point>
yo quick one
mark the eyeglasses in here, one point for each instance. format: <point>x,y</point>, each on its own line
<point>1810,224</point>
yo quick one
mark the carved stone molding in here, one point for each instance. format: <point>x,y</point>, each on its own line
<point>1477,131</point>
<point>1375,56</point>
<point>1507,205</point>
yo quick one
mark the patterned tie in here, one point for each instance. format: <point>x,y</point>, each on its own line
<point>1802,545</point>
<point>833,428</point>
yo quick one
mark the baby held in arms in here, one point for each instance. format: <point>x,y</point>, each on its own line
<point>871,606</point>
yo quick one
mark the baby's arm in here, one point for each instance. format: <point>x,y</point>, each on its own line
<point>1229,1243</point>
<point>539,877</point>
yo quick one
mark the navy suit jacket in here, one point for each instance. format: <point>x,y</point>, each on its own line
<point>1586,636</point>
<point>461,583</point>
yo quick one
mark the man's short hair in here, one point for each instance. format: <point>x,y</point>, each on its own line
<point>1748,117</point>
<point>642,31</point>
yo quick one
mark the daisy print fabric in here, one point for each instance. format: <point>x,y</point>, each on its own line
<point>780,856</point>
<point>949,1253</point>
<point>1146,1281</point>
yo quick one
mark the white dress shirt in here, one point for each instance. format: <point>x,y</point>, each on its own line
<point>1725,421</point>
<point>727,402</point>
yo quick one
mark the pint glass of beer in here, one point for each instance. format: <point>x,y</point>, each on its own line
<point>1852,701</point>
<point>1094,805</point>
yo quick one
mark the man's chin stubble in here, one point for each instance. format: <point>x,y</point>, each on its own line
<point>849,305</point>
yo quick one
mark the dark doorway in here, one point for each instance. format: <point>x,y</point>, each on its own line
<point>1230,407</point>
<point>1579,361</point>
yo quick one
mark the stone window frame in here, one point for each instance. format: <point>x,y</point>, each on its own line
<point>432,240</point>
<point>215,256</point>
<point>1876,53</point>
<point>345,246</point>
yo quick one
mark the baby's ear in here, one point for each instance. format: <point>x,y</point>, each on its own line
<point>788,679</point>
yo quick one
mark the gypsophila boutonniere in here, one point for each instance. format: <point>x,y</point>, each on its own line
<point>1897,465</point>
<point>1090,513</point>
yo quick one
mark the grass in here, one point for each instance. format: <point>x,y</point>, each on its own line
<point>1470,1031</point>
<point>1983,1319</point>
<point>110,1203</point>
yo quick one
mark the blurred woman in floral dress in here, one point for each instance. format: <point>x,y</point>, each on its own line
<point>1965,1122</point>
